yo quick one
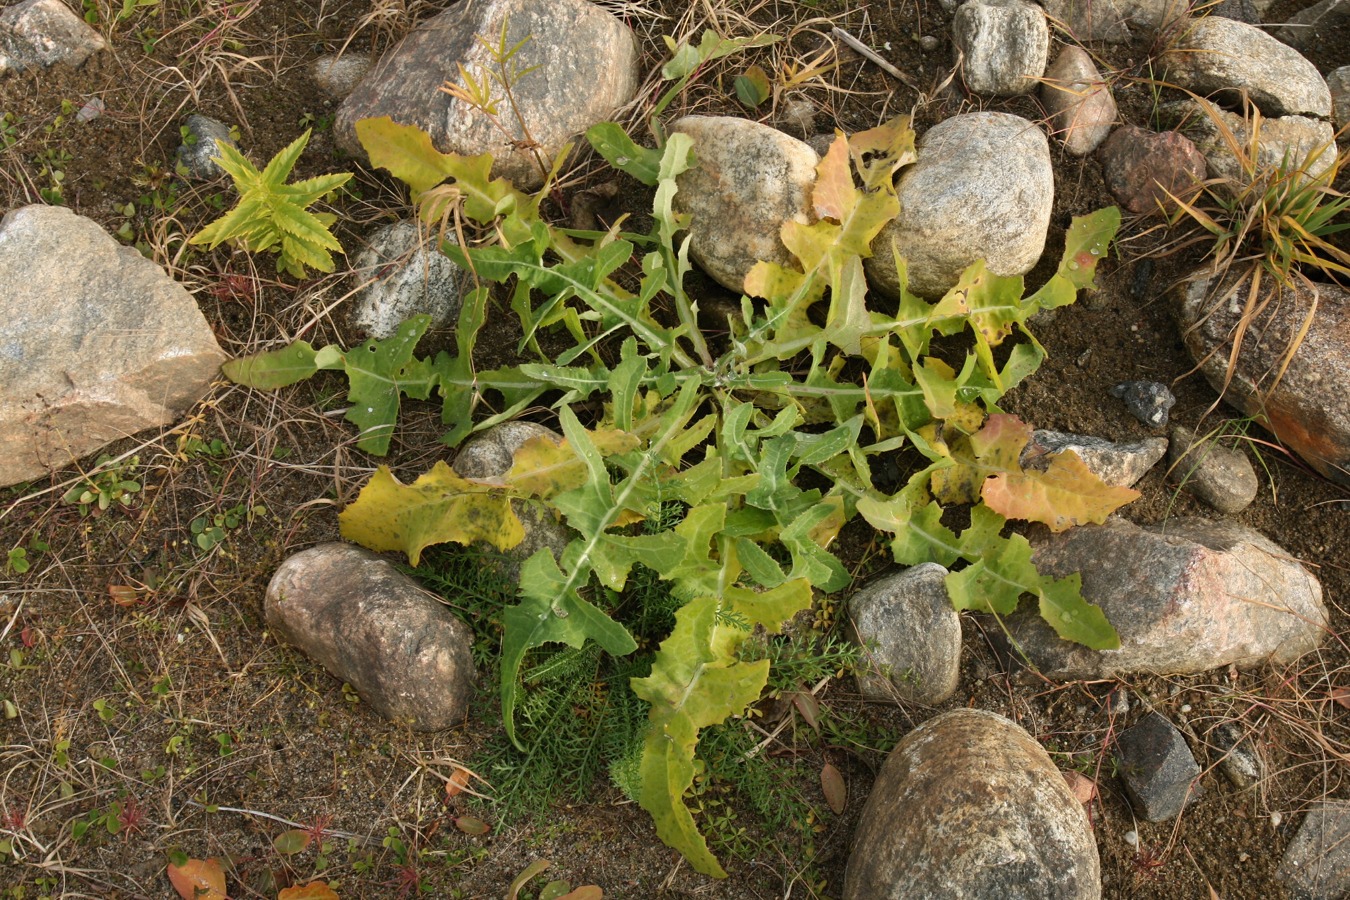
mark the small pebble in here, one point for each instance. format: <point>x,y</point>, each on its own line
<point>928,42</point>
<point>1149,401</point>
<point>1275,819</point>
<point>1132,838</point>
<point>1185,707</point>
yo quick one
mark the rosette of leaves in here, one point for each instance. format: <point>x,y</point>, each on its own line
<point>273,216</point>
<point>765,440</point>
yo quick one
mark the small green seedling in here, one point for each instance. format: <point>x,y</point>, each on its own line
<point>106,487</point>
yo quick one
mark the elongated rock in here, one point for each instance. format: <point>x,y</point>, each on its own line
<point>352,612</point>
<point>1186,596</point>
<point>96,342</point>
<point>1222,57</point>
<point>1308,408</point>
<point>969,805</point>
<point>1079,101</point>
<point>579,65</point>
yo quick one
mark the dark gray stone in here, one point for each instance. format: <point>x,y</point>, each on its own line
<point>201,146</point>
<point>969,805</point>
<point>1308,407</point>
<point>1339,84</point>
<point>1316,864</point>
<point>1239,10</point>
<point>1116,21</point>
<point>581,65</point>
<point>912,633</point>
<point>1185,596</point>
<point>1003,45</point>
<point>1118,465</point>
<point>1148,401</point>
<point>1239,761</point>
<point>96,342</point>
<point>1309,25</point>
<point>405,274</point>
<point>1222,477</point>
<point>1158,769</point>
<point>403,651</point>
<point>36,34</point>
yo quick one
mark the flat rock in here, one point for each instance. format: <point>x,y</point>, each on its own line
<point>1158,768</point>
<point>35,34</point>
<point>982,188</point>
<point>402,650</point>
<point>1314,23</point>
<point>1186,596</point>
<point>1082,110</point>
<point>1316,864</point>
<point>1115,21</point>
<point>912,633</point>
<point>96,342</point>
<point>584,62</point>
<point>1003,45</point>
<point>969,805</point>
<point>1118,465</point>
<point>1308,409</point>
<point>1222,57</point>
<point>404,275</point>
<point>1296,142</point>
<point>1141,167</point>
<point>491,453</point>
<point>338,75</point>
<point>749,180</point>
<point>1148,401</point>
<point>1222,477</point>
<point>198,152</point>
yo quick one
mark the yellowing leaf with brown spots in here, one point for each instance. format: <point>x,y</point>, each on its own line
<point>437,508</point>
<point>545,466</point>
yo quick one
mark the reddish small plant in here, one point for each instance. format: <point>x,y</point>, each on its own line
<point>235,287</point>
<point>131,818</point>
<point>406,881</point>
<point>14,819</point>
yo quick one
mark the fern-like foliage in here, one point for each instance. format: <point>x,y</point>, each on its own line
<point>273,216</point>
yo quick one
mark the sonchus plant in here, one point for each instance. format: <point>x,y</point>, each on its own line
<point>273,216</point>
<point>764,441</point>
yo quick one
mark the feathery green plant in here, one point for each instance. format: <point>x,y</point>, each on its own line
<point>273,216</point>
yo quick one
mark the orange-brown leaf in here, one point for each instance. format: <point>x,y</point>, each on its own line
<point>458,781</point>
<point>834,196</point>
<point>198,879</point>
<point>832,785</point>
<point>315,890</point>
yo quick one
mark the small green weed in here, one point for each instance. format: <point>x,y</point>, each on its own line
<point>114,485</point>
<point>273,216</point>
<point>210,531</point>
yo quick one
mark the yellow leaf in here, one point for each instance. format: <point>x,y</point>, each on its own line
<point>315,890</point>
<point>438,507</point>
<point>546,466</point>
<point>834,196</point>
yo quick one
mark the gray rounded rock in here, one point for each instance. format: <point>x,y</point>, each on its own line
<point>1004,45</point>
<point>912,633</point>
<point>1118,465</point>
<point>491,454</point>
<point>338,76</point>
<point>969,805</point>
<point>42,33</point>
<point>580,65</point>
<point>1222,477</point>
<point>983,187</point>
<point>750,179</point>
<point>405,275</point>
<point>404,652</point>
<point>201,145</point>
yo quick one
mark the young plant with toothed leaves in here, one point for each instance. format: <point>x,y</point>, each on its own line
<point>763,441</point>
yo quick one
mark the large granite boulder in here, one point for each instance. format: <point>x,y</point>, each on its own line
<point>912,635</point>
<point>96,342</point>
<point>982,188</point>
<point>583,62</point>
<point>35,34</point>
<point>1003,45</point>
<point>969,805</point>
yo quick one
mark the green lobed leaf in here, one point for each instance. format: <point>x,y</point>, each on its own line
<point>619,150</point>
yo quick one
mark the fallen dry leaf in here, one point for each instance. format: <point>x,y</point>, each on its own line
<point>1083,787</point>
<point>836,792</point>
<point>198,879</point>
<point>315,890</point>
<point>458,781</point>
